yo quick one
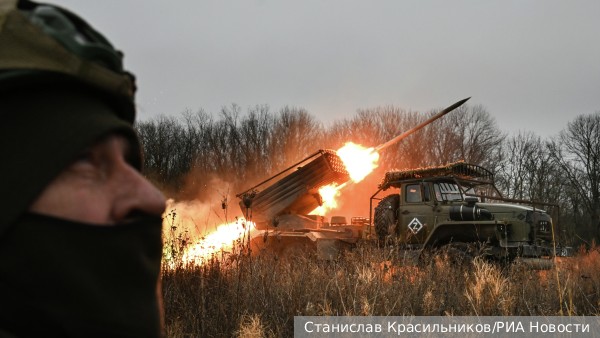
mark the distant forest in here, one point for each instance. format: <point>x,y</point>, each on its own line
<point>184,155</point>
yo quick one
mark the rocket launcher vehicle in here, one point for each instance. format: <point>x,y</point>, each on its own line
<point>295,190</point>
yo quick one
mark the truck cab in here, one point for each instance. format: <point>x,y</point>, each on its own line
<point>459,205</point>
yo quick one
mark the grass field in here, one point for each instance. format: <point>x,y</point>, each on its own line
<point>248,296</point>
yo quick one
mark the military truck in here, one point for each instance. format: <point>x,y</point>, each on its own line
<point>455,208</point>
<point>458,208</point>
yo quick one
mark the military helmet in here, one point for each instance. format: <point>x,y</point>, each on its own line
<point>41,43</point>
<point>62,87</point>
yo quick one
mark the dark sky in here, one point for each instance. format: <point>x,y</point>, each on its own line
<point>534,65</point>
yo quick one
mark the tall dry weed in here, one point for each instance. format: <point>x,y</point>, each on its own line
<point>581,287</point>
<point>251,326</point>
<point>488,290</point>
<point>259,296</point>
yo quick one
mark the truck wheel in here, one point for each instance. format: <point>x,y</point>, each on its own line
<point>386,216</point>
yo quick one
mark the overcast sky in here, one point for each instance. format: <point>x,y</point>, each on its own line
<point>535,65</point>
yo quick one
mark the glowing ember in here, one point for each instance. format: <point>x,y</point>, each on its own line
<point>359,161</point>
<point>221,240</point>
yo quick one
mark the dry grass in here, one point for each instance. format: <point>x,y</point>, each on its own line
<point>251,327</point>
<point>488,290</point>
<point>259,296</point>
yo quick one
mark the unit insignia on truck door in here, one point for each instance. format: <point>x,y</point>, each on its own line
<point>415,225</point>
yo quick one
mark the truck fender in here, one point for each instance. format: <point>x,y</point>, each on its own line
<point>466,232</point>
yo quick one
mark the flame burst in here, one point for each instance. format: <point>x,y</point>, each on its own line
<point>359,162</point>
<point>223,239</point>
<point>328,195</point>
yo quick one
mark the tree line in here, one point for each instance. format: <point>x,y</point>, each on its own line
<point>197,154</point>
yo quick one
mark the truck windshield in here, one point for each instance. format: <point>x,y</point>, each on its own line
<point>447,192</point>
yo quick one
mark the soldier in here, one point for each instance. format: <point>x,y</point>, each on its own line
<point>80,227</point>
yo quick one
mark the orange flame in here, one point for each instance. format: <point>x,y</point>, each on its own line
<point>359,162</point>
<point>223,239</point>
<point>328,195</point>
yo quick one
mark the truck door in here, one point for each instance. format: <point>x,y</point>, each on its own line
<point>416,216</point>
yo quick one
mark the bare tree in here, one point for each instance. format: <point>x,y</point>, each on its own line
<point>518,172</point>
<point>295,135</point>
<point>577,152</point>
<point>162,151</point>
<point>527,171</point>
<point>255,131</point>
<point>371,127</point>
<point>476,133</point>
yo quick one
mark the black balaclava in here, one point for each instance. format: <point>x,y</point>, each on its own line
<point>60,278</point>
<point>62,87</point>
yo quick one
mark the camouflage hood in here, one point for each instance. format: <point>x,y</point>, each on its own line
<point>62,87</point>
<point>46,43</point>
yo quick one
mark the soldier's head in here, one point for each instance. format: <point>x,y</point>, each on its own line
<point>80,227</point>
<point>63,93</point>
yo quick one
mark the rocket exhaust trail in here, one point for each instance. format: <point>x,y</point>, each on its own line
<point>414,129</point>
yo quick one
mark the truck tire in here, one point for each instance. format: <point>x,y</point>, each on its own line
<point>386,216</point>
